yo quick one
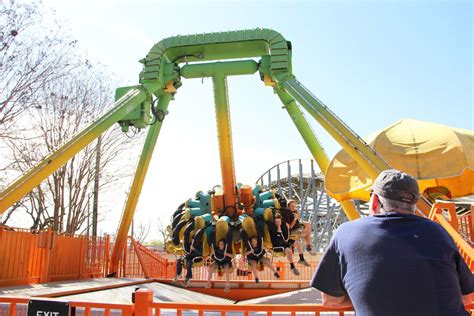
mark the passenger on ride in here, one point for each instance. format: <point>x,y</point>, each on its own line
<point>298,229</point>
<point>193,249</point>
<point>222,257</point>
<point>255,253</point>
<point>280,235</point>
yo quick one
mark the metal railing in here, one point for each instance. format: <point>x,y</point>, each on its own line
<point>143,305</point>
<point>445,214</point>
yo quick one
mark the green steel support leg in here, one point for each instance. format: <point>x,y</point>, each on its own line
<point>313,144</point>
<point>137,185</point>
<point>34,176</point>
<point>224,134</point>
<point>305,130</point>
<point>355,146</point>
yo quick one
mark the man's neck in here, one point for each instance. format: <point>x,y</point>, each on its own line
<point>403,212</point>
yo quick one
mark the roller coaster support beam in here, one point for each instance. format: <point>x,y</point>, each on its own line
<point>137,184</point>
<point>318,152</point>
<point>59,157</point>
<point>219,72</point>
<point>356,147</point>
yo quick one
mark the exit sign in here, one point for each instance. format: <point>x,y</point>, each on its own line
<point>48,308</point>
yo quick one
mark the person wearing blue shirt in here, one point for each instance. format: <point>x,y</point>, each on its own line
<point>394,262</point>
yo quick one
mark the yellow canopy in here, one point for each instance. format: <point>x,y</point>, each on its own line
<point>437,155</point>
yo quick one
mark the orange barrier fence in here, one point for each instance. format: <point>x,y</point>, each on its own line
<point>466,227</point>
<point>445,214</point>
<point>145,306</point>
<point>32,256</point>
<point>153,265</point>
<point>243,271</point>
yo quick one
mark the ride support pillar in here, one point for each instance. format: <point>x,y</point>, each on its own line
<point>315,147</point>
<point>137,184</point>
<point>224,134</point>
<point>354,145</point>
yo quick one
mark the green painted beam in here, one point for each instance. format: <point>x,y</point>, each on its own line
<point>224,136</point>
<point>137,184</point>
<point>59,157</point>
<point>315,147</point>
<point>353,144</point>
<point>309,137</point>
<point>230,68</point>
<point>215,46</point>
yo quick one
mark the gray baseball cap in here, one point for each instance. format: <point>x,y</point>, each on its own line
<point>397,185</point>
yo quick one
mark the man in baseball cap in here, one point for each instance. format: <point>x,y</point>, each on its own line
<point>394,262</point>
<point>398,190</point>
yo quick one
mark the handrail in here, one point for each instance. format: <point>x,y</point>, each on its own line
<point>465,249</point>
<point>125,309</point>
<point>451,226</point>
<point>152,264</point>
<point>269,308</point>
<point>143,305</point>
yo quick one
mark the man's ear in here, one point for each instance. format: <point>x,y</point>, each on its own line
<point>374,205</point>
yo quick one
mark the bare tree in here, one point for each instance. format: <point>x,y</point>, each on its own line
<point>33,54</point>
<point>48,94</point>
<point>162,230</point>
<point>64,201</point>
<point>142,232</point>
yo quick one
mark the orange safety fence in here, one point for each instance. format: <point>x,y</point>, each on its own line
<point>153,265</point>
<point>466,227</point>
<point>444,213</point>
<point>30,256</point>
<point>34,256</point>
<point>243,271</point>
<point>129,265</point>
<point>143,305</point>
<point>13,306</point>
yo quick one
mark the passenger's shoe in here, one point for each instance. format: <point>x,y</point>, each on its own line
<point>257,280</point>
<point>186,282</point>
<point>176,277</point>
<point>227,288</point>
<point>208,285</point>
<point>295,271</point>
<point>277,275</point>
<point>304,262</point>
<point>309,248</point>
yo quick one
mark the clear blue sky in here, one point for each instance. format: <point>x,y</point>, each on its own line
<point>371,62</point>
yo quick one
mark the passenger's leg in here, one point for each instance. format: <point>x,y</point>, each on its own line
<point>189,270</point>
<point>267,262</point>
<point>227,277</point>
<point>210,272</point>
<point>289,255</point>
<point>307,237</point>
<point>253,263</point>
<point>299,247</point>
<point>179,268</point>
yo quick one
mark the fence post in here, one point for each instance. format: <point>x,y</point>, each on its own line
<point>282,266</point>
<point>46,258</point>
<point>107,255</point>
<point>124,261</point>
<point>471,224</point>
<point>84,247</point>
<point>143,300</point>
